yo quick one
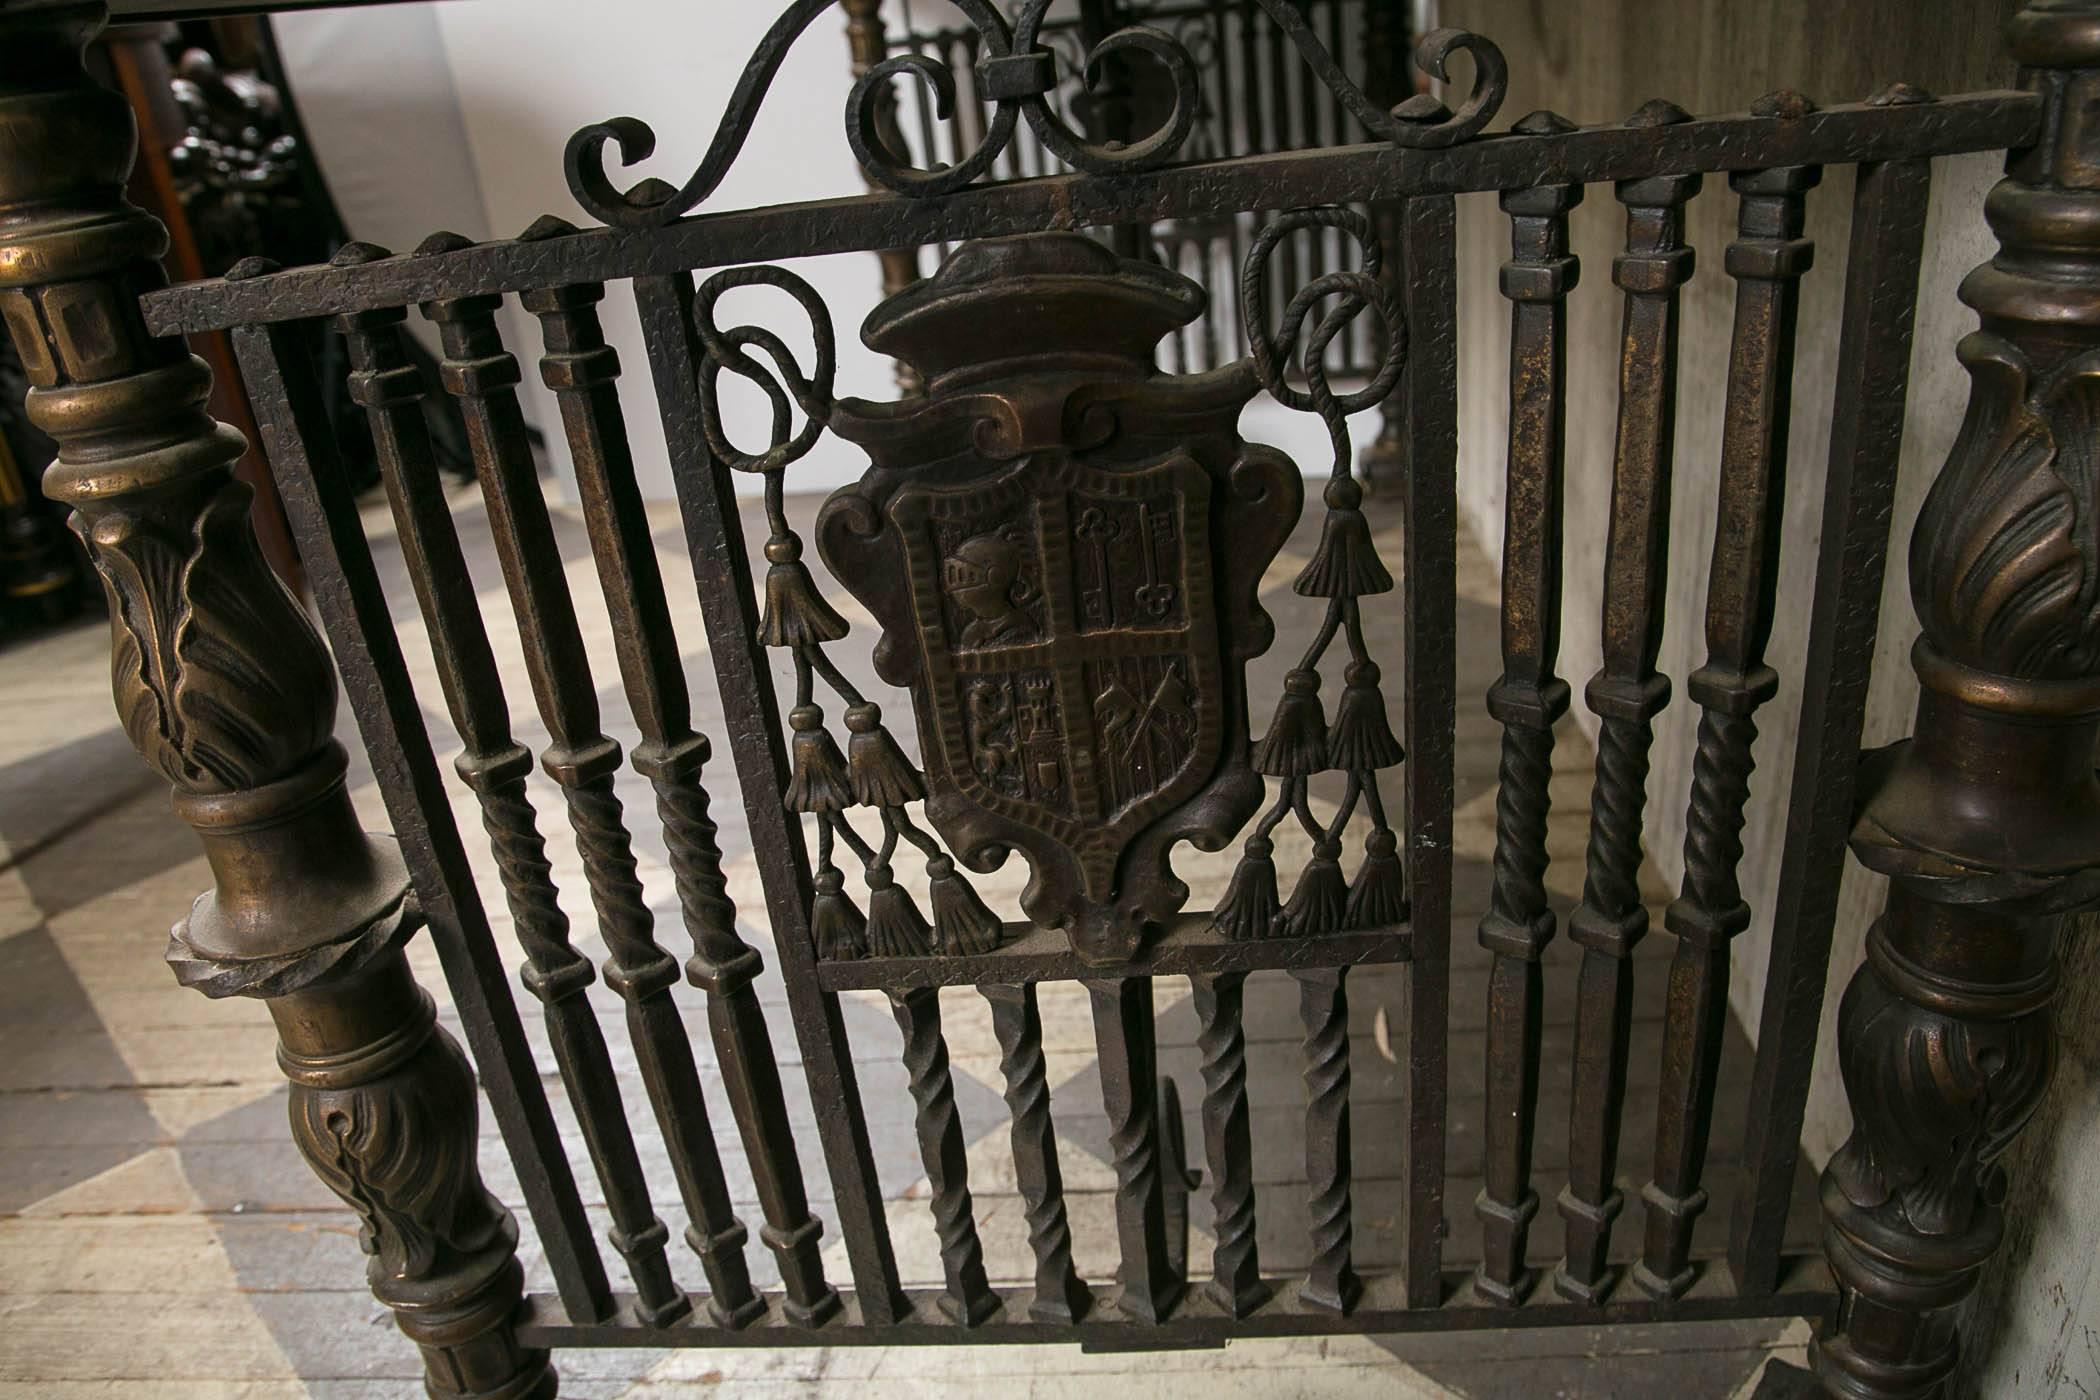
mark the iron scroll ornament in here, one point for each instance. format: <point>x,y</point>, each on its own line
<point>1016,72</point>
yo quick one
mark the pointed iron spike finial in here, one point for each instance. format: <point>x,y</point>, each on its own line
<point>356,253</point>
<point>250,267</point>
<point>443,241</point>
<point>1542,123</point>
<point>546,226</point>
<point>1901,95</point>
<point>1783,103</point>
<point>1658,111</point>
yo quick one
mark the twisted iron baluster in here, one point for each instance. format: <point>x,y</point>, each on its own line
<point>1017,1021</point>
<point>583,372</point>
<point>1228,1144</point>
<point>1323,999</point>
<point>1123,1030</point>
<point>495,767</point>
<point>1528,699</point>
<point>478,371</point>
<point>1625,695</point>
<point>943,1148</point>
<point>1767,261</point>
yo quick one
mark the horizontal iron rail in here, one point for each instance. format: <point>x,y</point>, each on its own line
<point>1189,945</point>
<point>138,11</point>
<point>1835,136</point>
<point>1805,1291</point>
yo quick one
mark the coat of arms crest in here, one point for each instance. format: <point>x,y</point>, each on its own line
<point>1063,546</point>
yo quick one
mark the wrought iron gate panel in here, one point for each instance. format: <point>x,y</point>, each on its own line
<point>1061,546</point>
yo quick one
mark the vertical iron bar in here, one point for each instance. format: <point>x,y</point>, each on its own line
<point>945,1151</point>
<point>1626,696</point>
<point>583,371</point>
<point>1228,1142</point>
<point>1428,246</point>
<point>390,389</point>
<point>1124,1037</point>
<point>1528,700</point>
<point>1767,261</point>
<point>300,444</point>
<point>1323,1003</point>
<point>1221,78</point>
<point>1017,1021</point>
<point>481,374</point>
<point>1866,438</point>
<point>751,715</point>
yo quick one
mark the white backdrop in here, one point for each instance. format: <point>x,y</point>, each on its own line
<point>454,115</point>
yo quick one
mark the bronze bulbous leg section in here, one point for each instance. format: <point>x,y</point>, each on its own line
<point>223,686</point>
<point>1987,822</point>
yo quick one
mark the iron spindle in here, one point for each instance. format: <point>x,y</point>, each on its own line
<point>582,370</point>
<point>1017,1022</point>
<point>390,389</point>
<point>944,1150</point>
<point>1528,700</point>
<point>1428,242</point>
<point>1236,1283</point>
<point>1866,436</point>
<point>1625,695</point>
<point>1767,261</point>
<point>1323,1002</point>
<point>1123,1033</point>
<point>722,575</point>
<point>482,375</point>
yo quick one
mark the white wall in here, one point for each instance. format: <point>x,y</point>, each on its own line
<point>455,115</point>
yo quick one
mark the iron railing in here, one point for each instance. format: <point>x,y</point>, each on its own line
<point>1060,547</point>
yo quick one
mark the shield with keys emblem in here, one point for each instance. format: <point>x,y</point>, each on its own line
<point>1063,546</point>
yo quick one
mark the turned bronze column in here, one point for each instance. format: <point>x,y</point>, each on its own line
<point>224,687</point>
<point>1987,822</point>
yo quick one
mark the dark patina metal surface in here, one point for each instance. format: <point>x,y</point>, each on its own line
<point>1062,545</point>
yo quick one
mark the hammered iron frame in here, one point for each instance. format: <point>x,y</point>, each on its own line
<point>1987,822</point>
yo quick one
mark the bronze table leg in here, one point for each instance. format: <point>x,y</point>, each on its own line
<point>224,687</point>
<point>1988,821</point>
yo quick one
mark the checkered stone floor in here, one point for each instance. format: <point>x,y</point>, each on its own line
<point>159,1236</point>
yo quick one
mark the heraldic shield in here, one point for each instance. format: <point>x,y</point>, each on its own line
<point>1063,547</point>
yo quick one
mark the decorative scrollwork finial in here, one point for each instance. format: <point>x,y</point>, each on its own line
<point>1016,75</point>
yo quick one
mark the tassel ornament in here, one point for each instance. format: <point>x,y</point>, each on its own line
<point>840,929</point>
<point>1362,738</point>
<point>1296,744</point>
<point>1378,894</point>
<point>1346,565</point>
<point>1317,904</point>
<point>881,775</point>
<point>961,922</point>
<point>1248,912</point>
<point>896,928</point>
<point>796,614</point>
<point>817,781</point>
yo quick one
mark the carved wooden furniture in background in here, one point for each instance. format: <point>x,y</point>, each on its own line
<point>1062,546</point>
